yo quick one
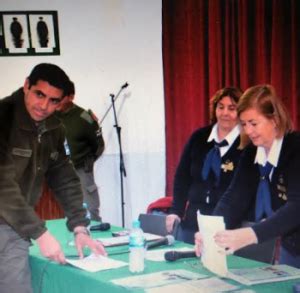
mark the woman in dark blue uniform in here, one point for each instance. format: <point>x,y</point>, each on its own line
<point>267,177</point>
<point>206,168</point>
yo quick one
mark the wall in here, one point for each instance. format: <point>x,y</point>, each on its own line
<point>105,43</point>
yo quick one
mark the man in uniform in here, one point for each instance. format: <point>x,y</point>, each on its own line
<point>31,151</point>
<point>85,145</point>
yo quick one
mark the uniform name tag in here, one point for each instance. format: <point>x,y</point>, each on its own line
<point>22,152</point>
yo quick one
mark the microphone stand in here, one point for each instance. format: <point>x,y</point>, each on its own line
<point>122,165</point>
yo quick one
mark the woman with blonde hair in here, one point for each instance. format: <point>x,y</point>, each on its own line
<point>267,177</point>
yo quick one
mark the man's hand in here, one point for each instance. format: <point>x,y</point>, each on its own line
<point>170,220</point>
<point>233,240</point>
<point>83,239</point>
<point>50,248</point>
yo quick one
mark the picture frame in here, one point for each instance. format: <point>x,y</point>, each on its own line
<point>29,33</point>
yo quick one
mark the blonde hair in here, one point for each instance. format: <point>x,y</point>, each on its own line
<point>264,99</point>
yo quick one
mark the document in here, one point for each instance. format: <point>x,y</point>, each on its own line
<point>94,263</point>
<point>213,257</point>
<point>158,279</point>
<point>266,274</point>
<point>122,240</point>
<point>209,285</point>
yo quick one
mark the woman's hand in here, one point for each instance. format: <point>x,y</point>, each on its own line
<point>170,220</point>
<point>232,240</point>
<point>198,244</point>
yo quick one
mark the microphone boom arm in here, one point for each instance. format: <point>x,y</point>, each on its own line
<point>125,85</point>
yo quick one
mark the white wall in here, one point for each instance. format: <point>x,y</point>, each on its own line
<point>103,44</point>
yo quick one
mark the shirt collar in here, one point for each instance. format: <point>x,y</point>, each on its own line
<point>230,137</point>
<point>273,157</point>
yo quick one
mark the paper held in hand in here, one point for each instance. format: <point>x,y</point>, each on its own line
<point>214,259</point>
<point>212,256</point>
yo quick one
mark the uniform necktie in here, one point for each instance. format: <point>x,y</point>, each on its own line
<point>263,196</point>
<point>213,161</point>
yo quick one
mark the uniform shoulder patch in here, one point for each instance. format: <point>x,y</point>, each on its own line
<point>95,118</point>
<point>86,116</point>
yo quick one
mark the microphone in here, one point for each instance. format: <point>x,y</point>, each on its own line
<point>167,240</point>
<point>125,85</point>
<point>100,227</point>
<point>175,255</point>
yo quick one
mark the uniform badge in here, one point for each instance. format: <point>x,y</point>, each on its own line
<point>227,166</point>
<point>281,188</point>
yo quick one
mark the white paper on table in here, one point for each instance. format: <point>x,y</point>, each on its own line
<point>213,257</point>
<point>208,285</point>
<point>159,254</point>
<point>121,240</point>
<point>94,263</point>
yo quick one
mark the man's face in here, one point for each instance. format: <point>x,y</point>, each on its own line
<point>41,99</point>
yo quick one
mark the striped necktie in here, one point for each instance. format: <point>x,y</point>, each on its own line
<point>213,161</point>
<point>263,196</point>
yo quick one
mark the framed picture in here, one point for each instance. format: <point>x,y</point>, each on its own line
<point>29,33</point>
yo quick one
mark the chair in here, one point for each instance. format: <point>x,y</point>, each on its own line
<point>156,224</point>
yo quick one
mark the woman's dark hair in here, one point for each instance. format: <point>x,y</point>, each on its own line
<point>232,92</point>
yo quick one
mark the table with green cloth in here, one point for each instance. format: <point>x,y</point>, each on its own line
<point>51,277</point>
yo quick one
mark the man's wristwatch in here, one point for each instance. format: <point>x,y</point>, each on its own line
<point>81,230</point>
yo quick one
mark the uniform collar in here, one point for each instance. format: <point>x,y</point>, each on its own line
<point>230,137</point>
<point>273,157</point>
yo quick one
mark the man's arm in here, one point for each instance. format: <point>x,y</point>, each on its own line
<point>14,208</point>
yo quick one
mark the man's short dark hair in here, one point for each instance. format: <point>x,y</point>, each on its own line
<point>52,74</point>
<point>71,90</point>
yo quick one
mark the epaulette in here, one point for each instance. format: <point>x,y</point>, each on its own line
<point>95,118</point>
<point>87,117</point>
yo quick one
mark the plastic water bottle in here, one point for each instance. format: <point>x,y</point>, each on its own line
<point>136,248</point>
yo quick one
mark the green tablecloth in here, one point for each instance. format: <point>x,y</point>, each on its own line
<point>50,277</point>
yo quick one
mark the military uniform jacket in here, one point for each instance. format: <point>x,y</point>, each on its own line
<point>83,134</point>
<point>189,187</point>
<point>285,195</point>
<point>28,155</point>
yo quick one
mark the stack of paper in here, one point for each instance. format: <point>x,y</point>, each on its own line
<point>212,257</point>
<point>122,240</point>
<point>266,274</point>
